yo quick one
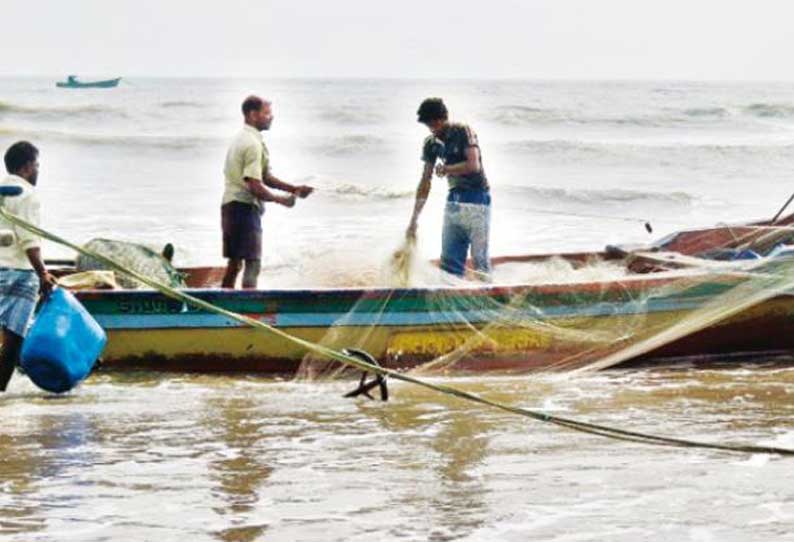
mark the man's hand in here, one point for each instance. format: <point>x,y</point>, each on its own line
<point>46,283</point>
<point>286,201</point>
<point>303,190</point>
<point>441,170</point>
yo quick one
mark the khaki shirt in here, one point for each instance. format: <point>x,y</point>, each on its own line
<point>247,157</point>
<point>26,207</point>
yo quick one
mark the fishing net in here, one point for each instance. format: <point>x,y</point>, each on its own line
<point>698,295</point>
<point>135,257</point>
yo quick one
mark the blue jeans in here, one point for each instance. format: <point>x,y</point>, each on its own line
<point>466,225</point>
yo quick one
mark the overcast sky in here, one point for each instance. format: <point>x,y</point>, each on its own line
<point>579,39</point>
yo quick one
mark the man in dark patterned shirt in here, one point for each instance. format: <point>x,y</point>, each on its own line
<point>467,215</point>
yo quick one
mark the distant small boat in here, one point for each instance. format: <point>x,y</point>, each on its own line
<point>72,82</point>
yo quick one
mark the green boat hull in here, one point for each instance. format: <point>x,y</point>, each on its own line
<point>108,83</point>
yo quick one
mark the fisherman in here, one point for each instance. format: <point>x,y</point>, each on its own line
<point>467,215</point>
<point>23,274</point>
<point>247,173</point>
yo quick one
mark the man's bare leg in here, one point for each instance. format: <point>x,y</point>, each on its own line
<point>251,274</point>
<point>232,270</point>
<point>12,345</point>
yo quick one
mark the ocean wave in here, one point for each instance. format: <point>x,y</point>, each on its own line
<point>351,115</point>
<point>177,142</point>
<point>150,141</point>
<point>563,150</point>
<point>533,193</point>
<point>707,112</point>
<point>770,110</point>
<point>519,115</point>
<point>543,194</point>
<point>182,104</point>
<point>61,111</point>
<point>558,147</point>
<point>357,191</point>
<point>522,115</point>
<point>373,192</point>
<point>349,145</point>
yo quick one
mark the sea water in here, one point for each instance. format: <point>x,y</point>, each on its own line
<point>143,456</point>
<point>143,163</point>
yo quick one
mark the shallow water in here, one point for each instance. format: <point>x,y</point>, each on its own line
<point>135,456</point>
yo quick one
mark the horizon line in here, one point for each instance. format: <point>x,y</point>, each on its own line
<point>409,78</point>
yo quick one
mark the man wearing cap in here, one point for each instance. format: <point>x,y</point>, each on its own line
<point>23,274</point>
<point>247,174</point>
<point>467,215</point>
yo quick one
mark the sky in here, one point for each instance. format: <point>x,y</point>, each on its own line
<point>532,39</point>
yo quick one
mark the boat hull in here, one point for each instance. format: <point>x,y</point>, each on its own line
<point>548,328</point>
<point>108,83</point>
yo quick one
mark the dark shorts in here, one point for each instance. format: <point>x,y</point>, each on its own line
<point>242,231</point>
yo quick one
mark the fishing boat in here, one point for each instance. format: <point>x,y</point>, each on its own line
<point>709,279</point>
<point>73,82</point>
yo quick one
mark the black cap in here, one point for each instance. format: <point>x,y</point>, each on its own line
<point>432,109</point>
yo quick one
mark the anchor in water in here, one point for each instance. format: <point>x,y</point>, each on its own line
<point>365,385</point>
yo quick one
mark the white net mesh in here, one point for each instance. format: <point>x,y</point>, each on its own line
<point>696,294</point>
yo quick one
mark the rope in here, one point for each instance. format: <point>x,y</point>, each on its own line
<point>780,212</point>
<point>583,427</point>
<point>646,223</point>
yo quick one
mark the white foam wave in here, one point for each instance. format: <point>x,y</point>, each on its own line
<point>524,115</point>
<point>356,191</point>
<point>683,154</point>
<point>542,194</point>
<point>350,145</point>
<point>555,271</point>
<point>182,104</point>
<point>707,112</point>
<point>49,112</point>
<point>350,115</point>
<point>174,142</point>
<point>770,110</point>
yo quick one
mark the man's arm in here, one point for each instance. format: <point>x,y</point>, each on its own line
<point>252,170</point>
<point>257,188</point>
<point>274,182</point>
<point>471,165</point>
<point>47,281</point>
<point>422,192</point>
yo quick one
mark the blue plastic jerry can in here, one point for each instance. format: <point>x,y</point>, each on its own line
<point>62,345</point>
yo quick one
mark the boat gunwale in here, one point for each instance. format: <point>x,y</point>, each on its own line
<point>637,282</point>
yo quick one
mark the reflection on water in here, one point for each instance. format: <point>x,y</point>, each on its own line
<point>461,446</point>
<point>242,470</point>
<point>65,438</point>
<point>171,457</point>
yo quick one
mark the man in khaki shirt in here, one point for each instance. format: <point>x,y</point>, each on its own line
<point>247,174</point>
